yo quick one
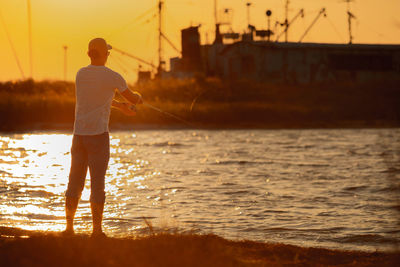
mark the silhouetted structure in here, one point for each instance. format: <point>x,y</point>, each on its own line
<point>143,77</point>
<point>191,54</point>
<point>286,62</point>
<point>307,62</point>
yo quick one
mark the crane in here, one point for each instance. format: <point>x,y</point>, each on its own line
<point>171,43</point>
<point>134,57</point>
<point>161,35</point>
<point>300,13</point>
<point>321,12</point>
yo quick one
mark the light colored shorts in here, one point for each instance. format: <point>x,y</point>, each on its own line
<point>93,152</point>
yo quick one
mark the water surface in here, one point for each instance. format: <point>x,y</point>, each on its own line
<point>325,188</point>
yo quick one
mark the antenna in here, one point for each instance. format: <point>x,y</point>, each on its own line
<point>65,62</point>
<point>30,36</point>
<point>286,20</point>
<point>248,4</point>
<point>350,16</point>
<point>226,16</point>
<point>269,13</point>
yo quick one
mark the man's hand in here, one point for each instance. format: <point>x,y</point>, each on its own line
<point>133,97</point>
<point>126,108</point>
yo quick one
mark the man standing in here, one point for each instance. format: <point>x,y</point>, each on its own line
<point>95,88</point>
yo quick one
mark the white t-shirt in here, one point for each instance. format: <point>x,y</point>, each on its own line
<point>95,87</point>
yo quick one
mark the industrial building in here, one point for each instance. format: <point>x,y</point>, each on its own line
<point>285,62</point>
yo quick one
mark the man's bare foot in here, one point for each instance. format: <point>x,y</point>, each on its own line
<point>98,235</point>
<point>68,233</point>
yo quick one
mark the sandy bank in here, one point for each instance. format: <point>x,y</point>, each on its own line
<point>27,248</point>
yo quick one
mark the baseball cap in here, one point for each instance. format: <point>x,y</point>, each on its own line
<point>99,44</point>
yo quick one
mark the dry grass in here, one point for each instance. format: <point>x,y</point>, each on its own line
<point>210,103</point>
<point>165,249</point>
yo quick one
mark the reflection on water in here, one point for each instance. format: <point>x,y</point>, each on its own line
<point>329,188</point>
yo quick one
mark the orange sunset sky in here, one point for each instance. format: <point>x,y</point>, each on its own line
<point>73,23</point>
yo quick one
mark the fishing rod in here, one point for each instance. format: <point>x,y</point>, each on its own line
<point>169,114</point>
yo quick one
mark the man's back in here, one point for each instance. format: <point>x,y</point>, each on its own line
<point>95,87</point>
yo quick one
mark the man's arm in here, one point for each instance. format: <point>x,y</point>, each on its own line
<point>133,97</point>
<point>128,108</point>
<point>118,105</point>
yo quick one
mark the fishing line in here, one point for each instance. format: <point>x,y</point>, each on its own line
<point>169,114</point>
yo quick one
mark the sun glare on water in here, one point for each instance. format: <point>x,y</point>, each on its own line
<point>34,168</point>
<point>44,159</point>
<point>34,171</point>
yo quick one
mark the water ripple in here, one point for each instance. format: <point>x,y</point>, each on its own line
<point>330,188</point>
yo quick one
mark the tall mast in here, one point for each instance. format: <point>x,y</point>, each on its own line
<point>30,37</point>
<point>12,46</point>
<point>160,33</point>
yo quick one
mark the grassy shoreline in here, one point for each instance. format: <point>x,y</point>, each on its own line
<point>31,248</point>
<point>211,104</point>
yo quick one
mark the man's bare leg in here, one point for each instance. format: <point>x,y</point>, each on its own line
<point>71,204</point>
<point>97,217</point>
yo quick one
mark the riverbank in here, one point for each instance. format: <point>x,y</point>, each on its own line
<point>210,104</point>
<point>29,248</point>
